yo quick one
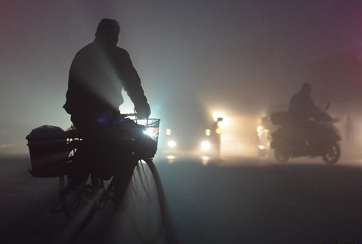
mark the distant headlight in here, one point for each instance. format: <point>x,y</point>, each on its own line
<point>205,145</point>
<point>171,144</point>
<point>261,147</point>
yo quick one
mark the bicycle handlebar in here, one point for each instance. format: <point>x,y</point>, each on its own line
<point>129,115</point>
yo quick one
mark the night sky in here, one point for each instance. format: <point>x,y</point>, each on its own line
<point>241,56</point>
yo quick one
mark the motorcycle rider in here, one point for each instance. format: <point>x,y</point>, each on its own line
<point>98,74</point>
<point>304,113</point>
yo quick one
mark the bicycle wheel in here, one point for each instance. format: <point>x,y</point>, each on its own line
<point>145,202</point>
<point>78,203</point>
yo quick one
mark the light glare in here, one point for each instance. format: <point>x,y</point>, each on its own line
<point>150,132</point>
<point>171,144</point>
<point>205,145</point>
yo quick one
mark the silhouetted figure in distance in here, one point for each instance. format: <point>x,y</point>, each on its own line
<point>301,105</point>
<point>98,74</point>
<point>303,111</point>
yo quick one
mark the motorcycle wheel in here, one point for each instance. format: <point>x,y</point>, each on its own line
<point>281,156</point>
<point>332,155</point>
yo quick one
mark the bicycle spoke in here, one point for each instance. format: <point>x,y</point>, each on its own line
<point>145,210</point>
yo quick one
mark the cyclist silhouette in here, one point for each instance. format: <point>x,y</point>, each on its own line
<point>98,74</point>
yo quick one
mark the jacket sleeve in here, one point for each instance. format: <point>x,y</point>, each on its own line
<point>72,98</point>
<point>132,85</point>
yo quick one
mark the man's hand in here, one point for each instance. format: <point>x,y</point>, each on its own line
<point>143,112</point>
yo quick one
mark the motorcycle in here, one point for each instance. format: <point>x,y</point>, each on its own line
<point>290,141</point>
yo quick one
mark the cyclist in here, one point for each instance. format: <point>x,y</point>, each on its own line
<point>98,74</point>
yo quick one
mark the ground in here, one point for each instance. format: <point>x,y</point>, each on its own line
<point>238,200</point>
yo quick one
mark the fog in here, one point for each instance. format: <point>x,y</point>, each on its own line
<point>239,57</point>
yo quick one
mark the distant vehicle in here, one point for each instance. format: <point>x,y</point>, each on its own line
<point>187,130</point>
<point>287,144</point>
<point>264,130</point>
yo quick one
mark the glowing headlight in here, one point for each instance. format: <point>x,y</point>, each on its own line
<point>171,144</point>
<point>205,145</point>
<point>261,147</point>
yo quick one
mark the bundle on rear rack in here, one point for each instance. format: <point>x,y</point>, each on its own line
<point>48,151</point>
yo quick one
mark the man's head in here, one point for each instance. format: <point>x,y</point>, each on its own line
<point>306,89</point>
<point>108,31</point>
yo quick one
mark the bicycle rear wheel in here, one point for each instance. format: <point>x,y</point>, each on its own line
<point>78,203</point>
<point>145,202</point>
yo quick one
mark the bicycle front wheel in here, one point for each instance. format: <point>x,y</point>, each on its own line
<point>145,202</point>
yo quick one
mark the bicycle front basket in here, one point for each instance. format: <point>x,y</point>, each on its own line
<point>151,127</point>
<point>145,144</point>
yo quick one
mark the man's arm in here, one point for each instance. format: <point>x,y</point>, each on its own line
<point>133,87</point>
<point>73,98</point>
<point>311,109</point>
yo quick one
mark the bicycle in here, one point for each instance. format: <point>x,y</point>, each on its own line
<point>141,194</point>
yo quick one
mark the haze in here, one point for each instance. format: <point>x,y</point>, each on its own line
<point>236,56</point>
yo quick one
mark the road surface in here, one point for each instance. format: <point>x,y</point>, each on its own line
<point>239,200</point>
